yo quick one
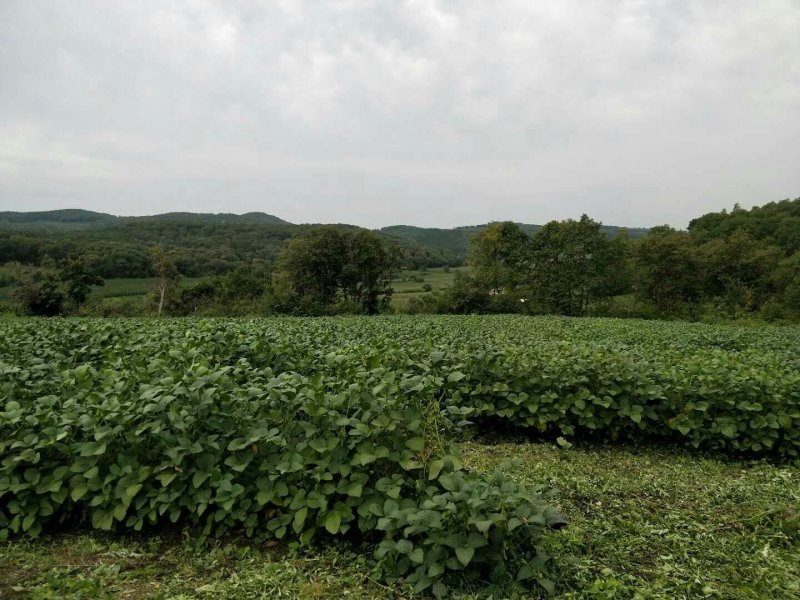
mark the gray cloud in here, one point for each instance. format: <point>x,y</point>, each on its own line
<point>420,112</point>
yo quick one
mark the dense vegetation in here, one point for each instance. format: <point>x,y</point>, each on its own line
<point>202,245</point>
<point>645,522</point>
<point>310,428</point>
<point>130,424</point>
<point>727,266</point>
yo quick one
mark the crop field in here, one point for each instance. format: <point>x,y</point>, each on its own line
<point>372,457</point>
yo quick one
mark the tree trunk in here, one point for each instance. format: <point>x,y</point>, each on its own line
<point>163,291</point>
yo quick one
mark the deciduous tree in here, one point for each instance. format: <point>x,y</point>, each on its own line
<point>167,276</point>
<point>499,254</point>
<point>570,265</point>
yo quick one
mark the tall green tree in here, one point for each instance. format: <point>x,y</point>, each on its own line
<point>330,264</point>
<point>786,279</point>
<point>246,282</point>
<point>737,271</point>
<point>667,269</point>
<point>311,265</point>
<point>167,276</point>
<point>498,255</point>
<point>367,271</point>
<point>620,268</point>
<point>40,295</point>
<point>54,291</point>
<point>77,281</point>
<point>570,265</point>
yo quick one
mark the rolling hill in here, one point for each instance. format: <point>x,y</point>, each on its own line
<point>204,243</point>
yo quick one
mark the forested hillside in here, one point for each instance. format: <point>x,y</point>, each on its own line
<point>75,218</point>
<point>729,265</point>
<point>66,219</point>
<point>776,223</point>
<point>202,244</point>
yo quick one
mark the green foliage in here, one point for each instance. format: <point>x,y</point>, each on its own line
<point>775,223</point>
<point>738,266</point>
<point>333,267</point>
<point>650,522</point>
<point>203,244</point>
<point>244,291</point>
<point>668,271</point>
<point>571,263</point>
<point>55,292</point>
<point>279,431</point>
<point>198,296</point>
<point>40,295</point>
<point>7,279</point>
<point>167,277</point>
<point>311,428</point>
<point>730,265</point>
<point>246,282</point>
<point>77,282</point>
<point>499,255</point>
<point>566,267</point>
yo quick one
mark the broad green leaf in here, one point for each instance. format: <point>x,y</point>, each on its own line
<point>332,522</point>
<point>465,555</point>
<point>78,492</point>
<point>416,444</point>
<point>435,468</point>
<point>300,519</point>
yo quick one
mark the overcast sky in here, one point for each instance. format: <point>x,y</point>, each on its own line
<point>432,113</point>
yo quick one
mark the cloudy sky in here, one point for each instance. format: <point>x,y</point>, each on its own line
<point>437,113</point>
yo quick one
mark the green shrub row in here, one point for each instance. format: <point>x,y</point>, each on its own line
<point>726,389</point>
<point>722,401</point>
<point>341,427</point>
<point>101,430</point>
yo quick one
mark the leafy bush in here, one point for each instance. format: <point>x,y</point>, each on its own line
<point>342,426</point>
<point>130,424</point>
<point>41,295</point>
<point>6,279</point>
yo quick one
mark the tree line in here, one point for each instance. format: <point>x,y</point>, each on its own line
<point>327,270</point>
<point>727,265</point>
<point>199,249</point>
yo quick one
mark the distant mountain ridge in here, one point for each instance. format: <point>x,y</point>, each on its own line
<point>76,218</point>
<point>207,240</point>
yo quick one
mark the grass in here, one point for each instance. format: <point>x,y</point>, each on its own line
<point>405,288</point>
<point>126,288</point>
<point>644,523</point>
<point>113,288</point>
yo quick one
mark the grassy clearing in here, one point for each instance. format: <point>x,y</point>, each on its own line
<point>405,288</point>
<point>644,523</point>
<point>437,278</point>
<point>112,291</point>
<point>663,524</point>
<point>123,288</point>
